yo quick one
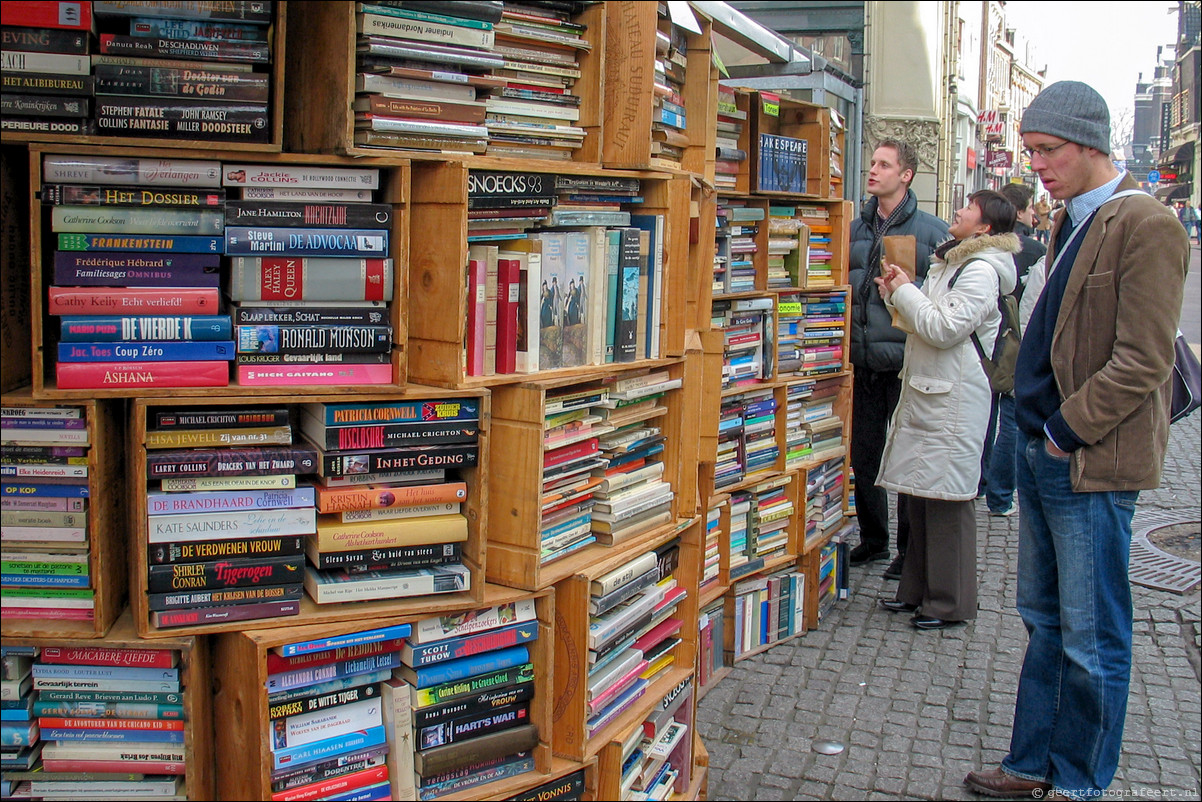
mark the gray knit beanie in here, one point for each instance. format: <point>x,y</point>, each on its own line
<point>1070,110</point>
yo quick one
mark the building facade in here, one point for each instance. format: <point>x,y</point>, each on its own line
<point>1180,164</point>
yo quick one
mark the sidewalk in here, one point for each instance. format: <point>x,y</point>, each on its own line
<point>918,710</point>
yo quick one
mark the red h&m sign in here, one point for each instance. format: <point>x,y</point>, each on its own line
<point>992,124</point>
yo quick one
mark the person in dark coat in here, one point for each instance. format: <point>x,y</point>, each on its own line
<point>877,347</point>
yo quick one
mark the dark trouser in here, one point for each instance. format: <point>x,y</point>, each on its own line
<point>874,395</point>
<point>940,573</point>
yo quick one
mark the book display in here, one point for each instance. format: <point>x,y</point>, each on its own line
<point>405,357</point>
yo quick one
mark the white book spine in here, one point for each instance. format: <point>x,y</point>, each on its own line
<point>116,170</point>
<point>622,480</point>
<point>60,63</point>
<point>398,727</point>
<point>449,508</point>
<point>307,194</point>
<point>279,175</point>
<point>50,534</point>
<point>454,626</point>
<point>392,86</point>
<point>417,583</point>
<point>616,578</point>
<point>17,435</point>
<point>202,483</point>
<point>326,723</point>
<point>401,28</point>
<point>41,412</point>
<point>231,525</point>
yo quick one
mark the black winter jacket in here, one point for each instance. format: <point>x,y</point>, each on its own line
<point>875,343</point>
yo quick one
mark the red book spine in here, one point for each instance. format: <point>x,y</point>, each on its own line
<point>277,664</point>
<point>47,14</point>
<point>109,723</point>
<point>560,455</point>
<point>475,317</point>
<point>95,656</point>
<point>121,766</point>
<point>105,375</point>
<point>335,786</point>
<point>132,300</point>
<point>508,286</point>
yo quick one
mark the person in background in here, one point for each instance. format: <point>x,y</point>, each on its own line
<point>1189,219</point>
<point>933,454</point>
<point>1043,219</point>
<point>997,461</point>
<point>876,346</point>
<point>1091,403</point>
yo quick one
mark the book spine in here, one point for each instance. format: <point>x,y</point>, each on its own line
<point>301,374</point>
<point>247,315</point>
<point>307,194</point>
<point>421,108</point>
<point>430,653</point>
<point>184,351</point>
<point>312,279</point>
<point>366,776</point>
<point>99,301</point>
<point>104,710</point>
<point>460,689</point>
<point>156,244</point>
<point>308,753</point>
<point>389,435</point>
<point>158,503</point>
<point>224,574</point>
<point>86,269</point>
<point>477,773</point>
<point>306,728</point>
<point>439,409</point>
<point>113,328</point>
<point>213,483</point>
<point>450,455</point>
<point>323,215</point>
<point>135,219</point>
<point>55,63</point>
<point>21,489</point>
<point>354,498</point>
<point>425,31</point>
<point>309,339</point>
<point>121,765</point>
<point>440,759</point>
<point>136,172</point>
<point>142,724</point>
<point>60,14</point>
<point>44,504</point>
<point>212,598</point>
<point>119,79</point>
<point>231,462</point>
<point>337,641</point>
<point>312,675</point>
<point>101,375</point>
<point>230,525</point>
<point>252,52</point>
<point>426,581</point>
<point>241,240</point>
<point>471,726</point>
<point>46,84</point>
<point>400,557</point>
<point>251,11</point>
<point>235,612</point>
<point>43,106</point>
<point>111,697</point>
<point>232,125</point>
<point>168,28</point>
<point>277,664</point>
<point>454,670</point>
<point>337,766</point>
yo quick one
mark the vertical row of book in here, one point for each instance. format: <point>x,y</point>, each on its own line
<point>749,335</point>
<point>782,164</point>
<point>46,533</point>
<point>475,77</point>
<point>98,722</point>
<point>390,497</point>
<point>768,609</point>
<point>183,71</point>
<point>711,643</point>
<point>471,686</point>
<point>730,155</point>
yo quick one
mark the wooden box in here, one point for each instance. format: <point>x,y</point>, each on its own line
<point>631,30</point>
<point>438,258</point>
<point>394,190</point>
<point>742,176</point>
<point>682,758</point>
<point>772,114</point>
<point>561,777</point>
<point>195,676</point>
<point>571,738</point>
<point>839,217</point>
<point>311,613</point>
<point>277,34</point>
<point>106,524</point>
<point>240,697</point>
<point>516,471</point>
<point>321,87</point>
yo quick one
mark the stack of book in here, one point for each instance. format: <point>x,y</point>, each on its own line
<point>729,157</point>
<point>722,255</point>
<point>745,224</point>
<point>819,258</point>
<point>471,676</point>
<point>749,334</point>
<point>824,498</point>
<point>535,114</point>
<point>669,122</point>
<point>594,200</point>
<point>769,518</point>
<point>333,728</point>
<point>572,283</point>
<point>728,465</point>
<point>828,577</point>
<point>421,75</point>
<point>571,456</point>
<point>44,464</point>
<point>811,333</point>
<point>712,567</point>
<point>391,522</point>
<point>47,81</point>
<point>782,164</point>
<point>226,525</point>
<point>741,536</point>
<point>822,426</point>
<point>136,272</point>
<point>504,205</point>
<point>711,645</point>
<point>20,744</point>
<point>798,447</point>
<point>310,273</point>
<point>760,448</point>
<point>786,251</point>
<point>767,609</point>
<point>110,711</point>
<point>837,129</point>
<point>633,496</point>
<point>657,753</point>
<point>184,70</point>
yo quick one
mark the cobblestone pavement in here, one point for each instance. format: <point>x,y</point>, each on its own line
<point>918,710</point>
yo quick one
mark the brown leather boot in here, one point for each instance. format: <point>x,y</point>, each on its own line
<point>996,782</point>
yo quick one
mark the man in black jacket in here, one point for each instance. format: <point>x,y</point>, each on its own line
<point>877,348</point>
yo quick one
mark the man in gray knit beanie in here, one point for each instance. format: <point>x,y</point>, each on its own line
<point>1091,406</point>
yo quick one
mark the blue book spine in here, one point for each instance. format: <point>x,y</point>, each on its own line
<point>343,668</point>
<point>160,243</point>
<point>183,351</point>
<point>350,639</point>
<point>16,489</point>
<point>156,736</point>
<point>46,671</point>
<point>72,269</point>
<point>468,645</point>
<point>46,581</point>
<point>247,241</point>
<point>360,739</point>
<point>453,670</point>
<point>22,734</point>
<point>612,256</point>
<point>113,328</point>
<point>16,714</point>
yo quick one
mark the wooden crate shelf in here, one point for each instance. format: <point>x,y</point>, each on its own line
<point>277,35</point>
<point>311,613</point>
<point>195,671</point>
<point>534,788</point>
<point>772,114</point>
<point>240,698</point>
<point>106,524</point>
<point>394,190</point>
<point>682,758</point>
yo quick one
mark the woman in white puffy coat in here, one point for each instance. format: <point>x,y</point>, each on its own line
<point>933,451</point>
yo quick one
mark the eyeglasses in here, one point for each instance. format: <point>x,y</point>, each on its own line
<point>1042,150</point>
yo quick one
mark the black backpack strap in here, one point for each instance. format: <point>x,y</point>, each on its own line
<point>976,341</point>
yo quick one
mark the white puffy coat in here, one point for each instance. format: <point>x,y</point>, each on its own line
<point>938,429</point>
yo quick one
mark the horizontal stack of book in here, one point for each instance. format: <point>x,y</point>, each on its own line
<point>712,568</point>
<point>657,753</point>
<point>811,333</point>
<point>471,678</point>
<point>760,448</point>
<point>749,334</point>
<point>711,645</point>
<point>741,536</point>
<point>797,439</point>
<point>20,742</point>
<point>46,71</point>
<point>824,498</point>
<point>828,577</point>
<point>767,609</point>
<point>333,730</point>
<point>722,255</point>
<point>787,245</point>
<point>836,153</point>
<point>311,275</point>
<point>44,463</point>
<point>226,525</point>
<point>819,261</point>
<point>769,518</point>
<point>136,272</point>
<point>572,464</point>
<point>392,523</point>
<point>669,120</point>
<point>730,156</point>
<point>745,222</point>
<point>633,632</point>
<point>184,70</point>
<point>728,464</point>
<point>782,164</point>
<point>113,722</point>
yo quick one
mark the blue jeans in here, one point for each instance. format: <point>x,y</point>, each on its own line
<point>1075,600</point>
<point>999,470</point>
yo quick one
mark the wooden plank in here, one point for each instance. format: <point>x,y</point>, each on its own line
<point>16,322</point>
<point>629,73</point>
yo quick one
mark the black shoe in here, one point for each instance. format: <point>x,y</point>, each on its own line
<point>927,622</point>
<point>894,606</point>
<point>895,568</point>
<point>864,553</point>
